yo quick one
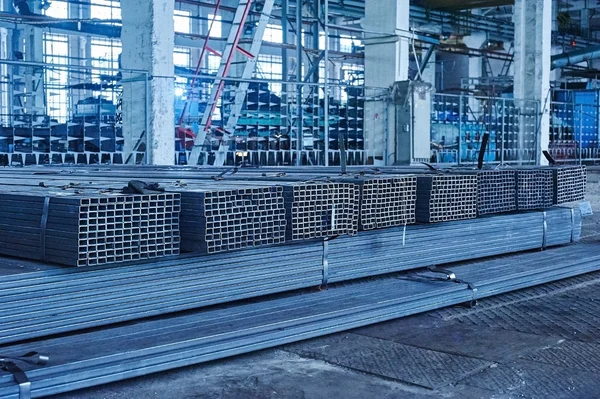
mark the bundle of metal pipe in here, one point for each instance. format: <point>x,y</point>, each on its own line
<point>84,228</point>
<point>496,190</point>
<point>120,352</point>
<point>386,201</point>
<point>535,188</point>
<point>55,301</point>
<point>226,218</point>
<point>238,212</point>
<point>569,183</point>
<point>442,198</point>
<point>430,244</point>
<point>322,209</point>
<point>43,303</point>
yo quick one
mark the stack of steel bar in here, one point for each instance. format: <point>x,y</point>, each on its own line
<point>419,245</point>
<point>112,354</point>
<point>226,218</point>
<point>569,183</point>
<point>534,188</point>
<point>442,198</point>
<point>79,228</point>
<point>49,302</point>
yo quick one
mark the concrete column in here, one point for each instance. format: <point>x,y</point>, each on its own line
<point>585,22</point>
<point>34,77</point>
<point>428,74</point>
<point>533,24</point>
<point>475,65</point>
<point>79,50</point>
<point>386,62</point>
<point>147,38</point>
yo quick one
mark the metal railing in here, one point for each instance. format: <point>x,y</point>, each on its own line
<point>285,123</point>
<point>57,113</point>
<point>574,132</point>
<point>459,122</point>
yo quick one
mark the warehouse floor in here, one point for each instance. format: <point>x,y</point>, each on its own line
<point>542,342</point>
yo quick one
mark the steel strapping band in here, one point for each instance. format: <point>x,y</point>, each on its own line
<point>9,364</point>
<point>545,231</point>
<point>473,289</point>
<point>20,377</point>
<point>451,276</point>
<point>572,225</point>
<point>43,225</point>
<point>325,262</point>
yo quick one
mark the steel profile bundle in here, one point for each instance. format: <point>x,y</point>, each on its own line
<point>121,352</point>
<point>386,200</point>
<point>79,228</point>
<point>321,209</point>
<point>49,302</point>
<point>395,249</point>
<point>496,191</point>
<point>535,188</point>
<point>56,301</point>
<point>314,207</point>
<point>569,183</point>
<point>442,198</point>
<point>227,218</point>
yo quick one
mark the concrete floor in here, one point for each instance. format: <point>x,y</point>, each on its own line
<point>542,342</point>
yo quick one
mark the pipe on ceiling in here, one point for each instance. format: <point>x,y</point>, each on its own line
<point>575,57</point>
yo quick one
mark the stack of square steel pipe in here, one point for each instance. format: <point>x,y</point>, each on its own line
<point>386,200</point>
<point>535,188</point>
<point>442,198</point>
<point>230,217</point>
<point>122,351</point>
<point>78,228</point>
<point>496,191</point>
<point>569,183</point>
<point>320,209</point>
<point>315,206</point>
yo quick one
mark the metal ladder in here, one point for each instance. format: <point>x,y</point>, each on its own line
<point>231,48</point>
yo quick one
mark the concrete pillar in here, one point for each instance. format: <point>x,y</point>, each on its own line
<point>585,21</point>
<point>147,38</point>
<point>428,73</point>
<point>386,62</point>
<point>475,65</point>
<point>533,24</point>
<point>79,51</point>
<point>555,74</point>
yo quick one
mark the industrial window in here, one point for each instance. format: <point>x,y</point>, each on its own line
<point>353,75</point>
<point>213,63</point>
<point>269,67</point>
<point>57,9</point>
<point>182,21</point>
<point>273,34</point>
<point>105,54</point>
<point>217,25</point>
<point>106,9</point>
<point>56,78</point>
<point>181,57</point>
<point>346,43</point>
